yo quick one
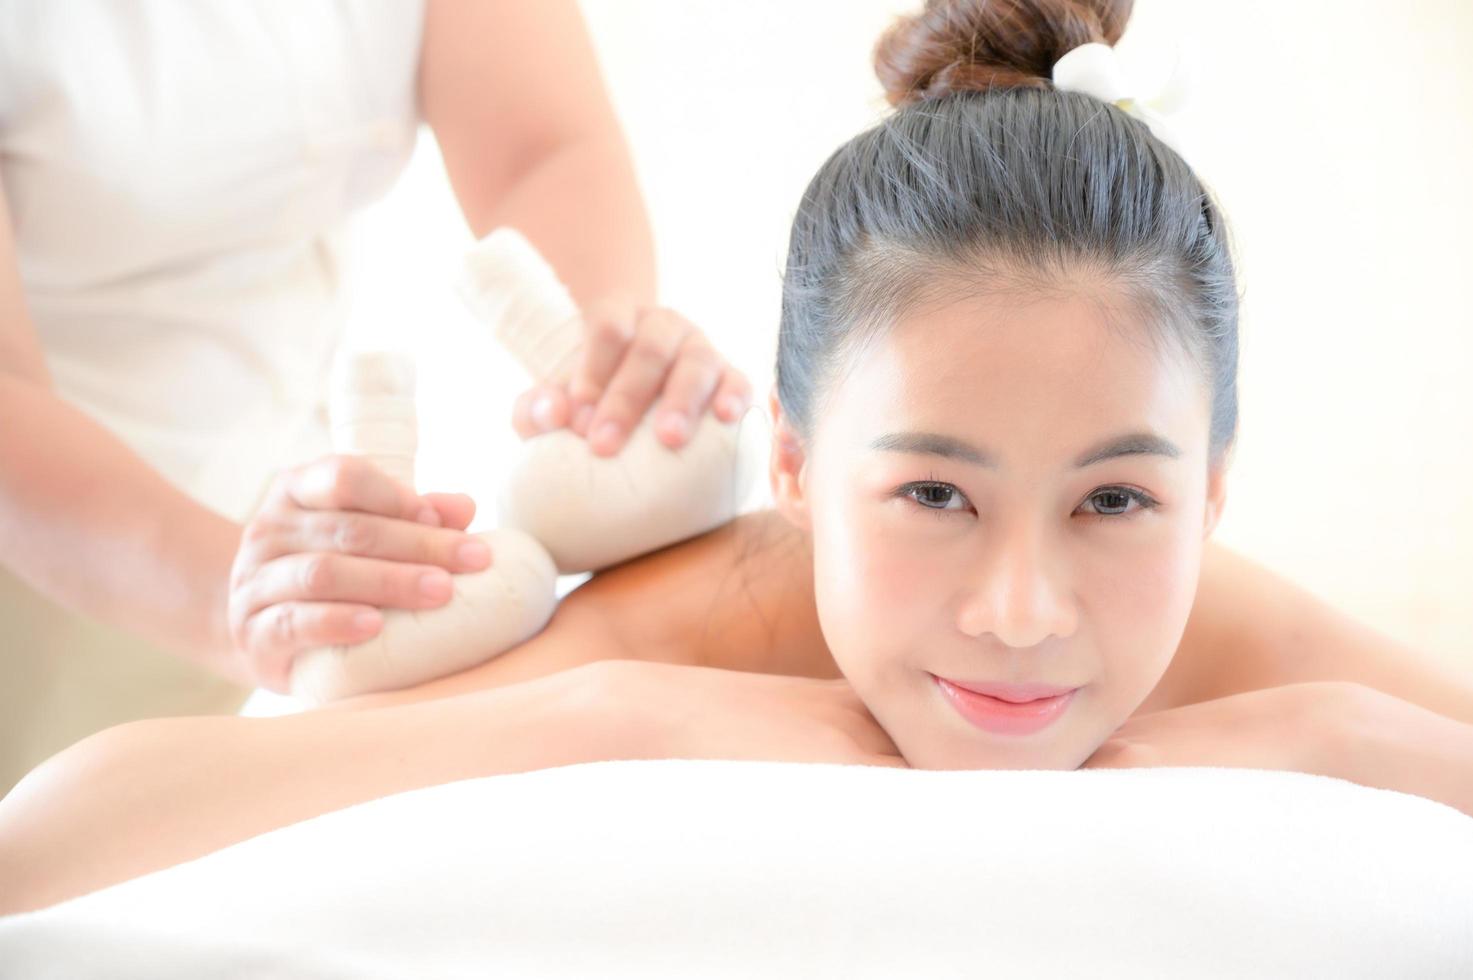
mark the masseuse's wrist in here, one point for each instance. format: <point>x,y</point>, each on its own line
<point>197,550</point>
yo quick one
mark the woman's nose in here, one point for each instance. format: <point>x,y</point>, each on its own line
<point>1018,595</point>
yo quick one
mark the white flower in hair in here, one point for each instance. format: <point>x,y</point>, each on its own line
<point>1096,69</point>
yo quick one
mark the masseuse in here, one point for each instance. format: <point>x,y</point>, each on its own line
<point>172,202</point>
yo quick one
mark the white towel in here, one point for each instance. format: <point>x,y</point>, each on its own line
<point>752,869</point>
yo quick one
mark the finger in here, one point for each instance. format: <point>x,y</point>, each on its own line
<point>692,381</point>
<point>638,381</point>
<point>540,409</point>
<point>456,510</point>
<point>351,483</point>
<point>327,577</point>
<point>391,539</point>
<point>733,395</point>
<point>608,331</point>
<point>270,534</point>
<point>367,535</point>
<point>277,633</point>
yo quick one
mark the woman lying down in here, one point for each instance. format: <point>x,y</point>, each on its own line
<point>1004,402</point>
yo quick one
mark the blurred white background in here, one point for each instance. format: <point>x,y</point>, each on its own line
<point>1335,133</point>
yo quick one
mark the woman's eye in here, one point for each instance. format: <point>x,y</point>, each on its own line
<point>1109,502</point>
<point>934,496</point>
<point>1116,501</point>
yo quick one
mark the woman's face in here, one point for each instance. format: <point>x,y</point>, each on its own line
<point>1002,491</point>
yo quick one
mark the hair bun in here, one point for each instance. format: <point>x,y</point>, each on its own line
<point>959,45</point>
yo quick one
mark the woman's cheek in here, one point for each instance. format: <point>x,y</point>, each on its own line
<point>869,585</point>
<point>1142,604</point>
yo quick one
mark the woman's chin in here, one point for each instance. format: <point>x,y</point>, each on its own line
<point>945,735</point>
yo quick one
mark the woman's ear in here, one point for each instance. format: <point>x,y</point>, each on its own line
<point>1216,497</point>
<point>785,468</point>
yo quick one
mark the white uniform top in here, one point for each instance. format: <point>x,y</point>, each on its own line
<point>179,175</point>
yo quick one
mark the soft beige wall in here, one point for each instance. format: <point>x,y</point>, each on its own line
<point>1334,132</point>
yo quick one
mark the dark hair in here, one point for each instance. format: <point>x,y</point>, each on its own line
<point>986,177</point>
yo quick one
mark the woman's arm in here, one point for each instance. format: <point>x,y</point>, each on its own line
<point>1328,728</point>
<point>151,794</point>
<point>85,521</point>
<point>513,94</point>
<point>1391,743</point>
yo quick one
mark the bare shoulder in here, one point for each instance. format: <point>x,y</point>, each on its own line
<point>738,598</point>
<point>1252,628</point>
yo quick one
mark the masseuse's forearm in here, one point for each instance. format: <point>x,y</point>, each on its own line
<point>529,136</point>
<point>581,207</point>
<point>88,523</point>
<point>151,794</point>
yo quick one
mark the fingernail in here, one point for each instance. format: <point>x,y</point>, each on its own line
<point>435,585</point>
<point>428,515</point>
<point>582,418</point>
<point>542,412</point>
<point>731,407</point>
<point>674,425</point>
<point>367,622</point>
<point>607,434</point>
<point>473,554</point>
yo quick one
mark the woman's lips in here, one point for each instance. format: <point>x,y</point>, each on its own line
<point>1012,716</point>
<point>1016,693</point>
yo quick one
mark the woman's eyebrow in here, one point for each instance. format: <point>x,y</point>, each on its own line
<point>950,447</point>
<point>1130,444</point>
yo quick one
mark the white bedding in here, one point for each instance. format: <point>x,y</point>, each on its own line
<point>752,869</point>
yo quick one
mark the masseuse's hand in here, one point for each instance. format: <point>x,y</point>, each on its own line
<point>1295,727</point>
<point>631,356</point>
<point>680,711</point>
<point>334,541</point>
